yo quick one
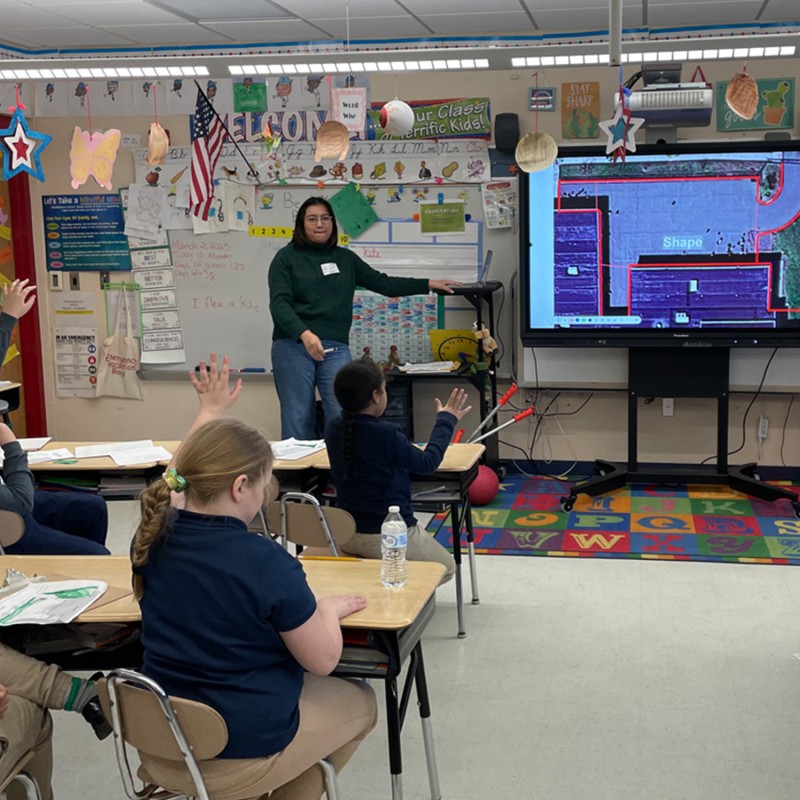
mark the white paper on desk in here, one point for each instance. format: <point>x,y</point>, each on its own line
<point>109,448</point>
<point>43,456</point>
<point>49,602</point>
<point>293,449</point>
<point>34,444</point>
<point>431,366</point>
<point>5,383</point>
<point>143,455</point>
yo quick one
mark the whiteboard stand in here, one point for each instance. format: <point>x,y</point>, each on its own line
<point>679,372</point>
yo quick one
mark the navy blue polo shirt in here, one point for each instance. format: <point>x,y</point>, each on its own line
<point>383,458</point>
<point>215,601</point>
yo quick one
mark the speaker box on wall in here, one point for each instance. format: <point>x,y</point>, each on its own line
<point>506,132</point>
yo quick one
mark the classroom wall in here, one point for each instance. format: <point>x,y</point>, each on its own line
<point>599,430</point>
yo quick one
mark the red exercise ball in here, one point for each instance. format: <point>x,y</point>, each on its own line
<point>484,487</point>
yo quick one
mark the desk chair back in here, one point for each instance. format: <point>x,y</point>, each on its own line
<point>173,737</point>
<point>171,729</point>
<point>19,775</point>
<point>310,524</point>
<point>12,526</point>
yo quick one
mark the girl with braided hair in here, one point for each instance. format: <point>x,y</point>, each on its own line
<point>229,620</point>
<point>371,461</point>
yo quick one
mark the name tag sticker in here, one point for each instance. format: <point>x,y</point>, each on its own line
<point>330,268</point>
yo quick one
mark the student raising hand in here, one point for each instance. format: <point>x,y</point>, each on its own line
<point>18,298</point>
<point>212,385</point>
<point>6,434</point>
<point>455,404</point>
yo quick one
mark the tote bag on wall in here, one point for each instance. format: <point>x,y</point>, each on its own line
<point>119,360</point>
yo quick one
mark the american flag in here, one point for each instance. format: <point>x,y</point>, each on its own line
<point>208,135</point>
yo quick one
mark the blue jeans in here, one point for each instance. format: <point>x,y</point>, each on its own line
<point>64,524</point>
<point>296,375</point>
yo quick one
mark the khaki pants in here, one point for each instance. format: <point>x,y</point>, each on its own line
<point>421,547</point>
<point>33,687</point>
<point>335,717</point>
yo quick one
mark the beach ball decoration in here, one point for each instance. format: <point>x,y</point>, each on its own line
<point>397,118</point>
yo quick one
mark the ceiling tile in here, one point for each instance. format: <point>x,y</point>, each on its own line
<point>67,37</point>
<point>588,19</point>
<point>131,12</point>
<point>709,13</point>
<point>16,15</point>
<point>231,10</point>
<point>331,9</point>
<point>374,28</point>
<point>505,22</point>
<point>780,11</point>
<point>181,34</point>
<point>435,7</point>
<point>289,30</point>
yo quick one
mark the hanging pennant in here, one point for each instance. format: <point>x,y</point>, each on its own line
<point>23,147</point>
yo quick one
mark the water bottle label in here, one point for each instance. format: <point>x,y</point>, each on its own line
<point>394,540</point>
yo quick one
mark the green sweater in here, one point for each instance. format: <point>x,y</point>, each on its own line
<point>303,297</point>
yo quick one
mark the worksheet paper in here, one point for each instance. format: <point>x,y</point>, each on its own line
<point>49,602</point>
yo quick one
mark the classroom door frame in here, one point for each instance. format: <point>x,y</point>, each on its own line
<point>30,337</point>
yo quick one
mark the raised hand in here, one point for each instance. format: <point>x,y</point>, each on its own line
<point>212,385</point>
<point>455,404</point>
<point>18,298</point>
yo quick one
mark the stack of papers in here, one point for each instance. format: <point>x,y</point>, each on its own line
<point>431,366</point>
<point>126,454</point>
<point>33,444</point>
<point>293,449</point>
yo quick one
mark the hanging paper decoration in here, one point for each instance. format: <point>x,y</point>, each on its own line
<point>333,141</point>
<point>157,144</point>
<point>535,151</point>
<point>23,147</point>
<point>270,141</point>
<point>621,128</point>
<point>397,118</point>
<point>741,95</point>
<point>93,154</point>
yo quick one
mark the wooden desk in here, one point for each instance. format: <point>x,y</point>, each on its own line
<point>114,570</point>
<point>379,639</point>
<point>451,482</point>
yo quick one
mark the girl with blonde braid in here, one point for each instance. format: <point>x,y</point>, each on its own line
<point>229,620</point>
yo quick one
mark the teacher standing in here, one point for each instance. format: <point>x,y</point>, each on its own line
<point>311,286</point>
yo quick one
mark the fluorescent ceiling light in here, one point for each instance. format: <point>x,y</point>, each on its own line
<point>235,70</point>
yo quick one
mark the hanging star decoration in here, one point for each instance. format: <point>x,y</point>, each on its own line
<point>23,146</point>
<point>621,129</point>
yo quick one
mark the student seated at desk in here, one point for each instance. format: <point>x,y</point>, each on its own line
<point>56,523</point>
<point>371,461</point>
<point>229,620</point>
<point>27,689</point>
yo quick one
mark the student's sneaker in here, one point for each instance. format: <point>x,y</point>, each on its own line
<point>93,713</point>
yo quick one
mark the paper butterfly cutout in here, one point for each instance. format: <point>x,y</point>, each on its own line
<point>93,155</point>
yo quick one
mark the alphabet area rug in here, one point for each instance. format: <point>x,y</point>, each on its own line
<point>688,523</point>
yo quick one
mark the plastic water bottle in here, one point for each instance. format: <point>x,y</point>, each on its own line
<point>394,539</point>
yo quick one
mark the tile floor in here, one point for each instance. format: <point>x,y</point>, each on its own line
<point>579,678</point>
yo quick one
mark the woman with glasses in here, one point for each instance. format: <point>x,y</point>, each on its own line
<point>311,286</point>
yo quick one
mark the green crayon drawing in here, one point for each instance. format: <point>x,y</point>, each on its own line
<point>71,594</point>
<point>18,610</point>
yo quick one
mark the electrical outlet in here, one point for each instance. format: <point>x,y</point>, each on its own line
<point>57,281</point>
<point>667,406</point>
<point>74,281</point>
<point>763,427</point>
